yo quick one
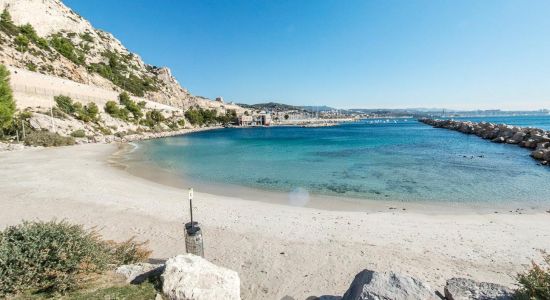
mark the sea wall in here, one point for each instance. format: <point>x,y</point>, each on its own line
<point>532,138</point>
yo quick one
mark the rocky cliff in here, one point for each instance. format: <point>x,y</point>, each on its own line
<point>48,37</point>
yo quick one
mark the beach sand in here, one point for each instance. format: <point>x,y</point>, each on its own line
<point>278,250</point>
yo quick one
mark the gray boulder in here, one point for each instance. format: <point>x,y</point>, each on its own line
<point>371,285</point>
<point>467,289</point>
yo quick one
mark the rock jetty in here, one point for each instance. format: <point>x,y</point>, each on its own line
<point>532,138</point>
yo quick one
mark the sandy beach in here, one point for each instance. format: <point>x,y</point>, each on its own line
<point>278,250</point>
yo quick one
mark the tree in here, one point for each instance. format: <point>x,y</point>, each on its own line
<point>286,116</point>
<point>7,104</point>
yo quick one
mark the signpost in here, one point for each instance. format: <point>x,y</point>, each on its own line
<point>193,233</point>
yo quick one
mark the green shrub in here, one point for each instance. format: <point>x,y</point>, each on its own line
<point>86,36</point>
<point>86,113</point>
<point>142,104</point>
<point>7,104</point>
<point>31,66</point>
<point>80,133</point>
<point>153,118</point>
<point>199,116</point>
<point>181,122</point>
<point>22,43</point>
<point>47,139</point>
<point>66,48</point>
<point>65,104</point>
<point>112,108</point>
<point>57,256</point>
<point>28,31</point>
<point>535,283</point>
<point>131,106</point>
<point>6,23</point>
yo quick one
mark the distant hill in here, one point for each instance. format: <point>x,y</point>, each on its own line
<point>270,106</point>
<point>320,108</point>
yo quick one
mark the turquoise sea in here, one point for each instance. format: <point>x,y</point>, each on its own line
<point>401,160</point>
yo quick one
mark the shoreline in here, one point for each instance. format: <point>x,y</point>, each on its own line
<point>124,159</point>
<point>278,250</point>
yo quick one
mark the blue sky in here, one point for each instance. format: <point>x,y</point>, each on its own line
<point>370,54</point>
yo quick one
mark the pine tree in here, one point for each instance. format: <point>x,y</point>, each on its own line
<point>7,104</point>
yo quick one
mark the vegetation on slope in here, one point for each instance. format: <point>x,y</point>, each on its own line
<point>7,104</point>
<point>535,283</point>
<point>58,256</point>
<point>117,70</point>
<point>86,113</point>
<point>199,116</point>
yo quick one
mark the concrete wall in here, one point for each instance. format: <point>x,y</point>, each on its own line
<point>32,89</point>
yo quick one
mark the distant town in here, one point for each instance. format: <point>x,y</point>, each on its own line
<point>272,113</point>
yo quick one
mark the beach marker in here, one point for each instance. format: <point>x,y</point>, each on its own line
<point>193,233</point>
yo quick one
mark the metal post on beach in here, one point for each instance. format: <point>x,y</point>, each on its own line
<point>193,233</point>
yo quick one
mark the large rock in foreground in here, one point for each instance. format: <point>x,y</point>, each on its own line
<point>371,285</point>
<point>190,277</point>
<point>467,289</point>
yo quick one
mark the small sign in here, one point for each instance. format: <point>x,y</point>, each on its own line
<point>190,193</point>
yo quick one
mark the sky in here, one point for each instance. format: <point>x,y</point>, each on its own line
<point>467,54</point>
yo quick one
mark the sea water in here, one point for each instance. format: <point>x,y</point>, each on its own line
<point>398,160</point>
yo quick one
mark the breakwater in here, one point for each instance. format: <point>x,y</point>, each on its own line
<point>538,140</point>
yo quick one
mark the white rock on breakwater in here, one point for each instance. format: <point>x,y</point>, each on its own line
<point>527,137</point>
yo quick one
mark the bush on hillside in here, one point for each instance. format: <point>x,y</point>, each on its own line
<point>65,104</point>
<point>66,48</point>
<point>535,283</point>
<point>86,113</point>
<point>58,256</point>
<point>47,139</point>
<point>7,104</point>
<point>113,109</point>
<point>79,133</point>
<point>28,31</point>
<point>22,43</point>
<point>117,70</point>
<point>153,118</point>
<point>6,23</point>
<point>130,105</point>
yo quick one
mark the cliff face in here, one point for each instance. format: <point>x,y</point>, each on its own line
<point>59,42</point>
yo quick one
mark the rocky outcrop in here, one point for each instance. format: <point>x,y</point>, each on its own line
<point>371,285</point>
<point>527,137</point>
<point>92,50</point>
<point>467,289</point>
<point>186,277</point>
<point>192,277</point>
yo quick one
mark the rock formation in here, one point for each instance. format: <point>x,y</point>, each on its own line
<point>527,137</point>
<point>187,277</point>
<point>467,289</point>
<point>61,43</point>
<point>371,285</point>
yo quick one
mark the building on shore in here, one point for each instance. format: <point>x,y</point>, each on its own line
<point>262,119</point>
